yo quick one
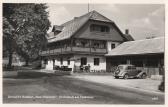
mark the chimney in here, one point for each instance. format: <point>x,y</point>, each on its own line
<point>127,31</point>
<point>75,18</point>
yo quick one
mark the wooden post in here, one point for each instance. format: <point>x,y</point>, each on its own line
<point>61,46</point>
<point>159,66</point>
<point>90,45</point>
<point>106,46</point>
<point>71,44</point>
<point>128,61</point>
<point>144,62</point>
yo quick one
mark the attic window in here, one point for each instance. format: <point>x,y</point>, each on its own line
<point>99,28</point>
<point>112,46</point>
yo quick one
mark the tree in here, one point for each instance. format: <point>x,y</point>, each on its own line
<point>30,23</point>
<point>8,40</point>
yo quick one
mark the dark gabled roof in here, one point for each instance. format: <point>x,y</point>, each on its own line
<point>71,27</point>
<point>147,46</point>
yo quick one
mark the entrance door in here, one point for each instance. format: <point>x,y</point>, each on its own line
<point>83,61</point>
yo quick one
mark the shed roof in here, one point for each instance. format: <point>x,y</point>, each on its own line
<point>72,26</point>
<point>146,46</point>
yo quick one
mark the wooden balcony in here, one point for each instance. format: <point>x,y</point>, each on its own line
<point>74,49</point>
<point>66,49</point>
<point>80,49</point>
<point>98,50</point>
<point>55,51</point>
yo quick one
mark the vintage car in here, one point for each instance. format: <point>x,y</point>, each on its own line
<point>129,71</point>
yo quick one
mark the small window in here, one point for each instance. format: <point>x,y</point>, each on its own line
<point>61,61</point>
<point>133,67</point>
<point>129,68</point>
<point>83,61</point>
<point>96,61</point>
<point>45,61</point>
<point>99,28</point>
<point>112,46</point>
<point>104,29</point>
<point>53,61</point>
<point>68,61</point>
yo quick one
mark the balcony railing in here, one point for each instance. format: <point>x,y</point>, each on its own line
<point>80,49</point>
<point>98,50</point>
<point>74,49</point>
<point>66,49</point>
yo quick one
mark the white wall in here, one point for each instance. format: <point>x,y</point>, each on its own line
<point>109,45</point>
<point>90,60</point>
<point>77,62</point>
<point>49,66</point>
<point>65,63</point>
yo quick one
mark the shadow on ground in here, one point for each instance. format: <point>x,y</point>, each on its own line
<point>30,75</point>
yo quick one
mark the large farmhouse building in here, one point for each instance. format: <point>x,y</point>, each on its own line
<point>94,42</point>
<point>82,43</point>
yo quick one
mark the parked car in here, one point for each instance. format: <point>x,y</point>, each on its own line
<point>129,71</point>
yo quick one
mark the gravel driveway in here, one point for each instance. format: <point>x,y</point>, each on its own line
<point>141,84</point>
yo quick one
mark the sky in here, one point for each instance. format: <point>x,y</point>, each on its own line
<point>142,20</point>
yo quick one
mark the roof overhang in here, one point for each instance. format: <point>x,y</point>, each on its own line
<point>140,54</point>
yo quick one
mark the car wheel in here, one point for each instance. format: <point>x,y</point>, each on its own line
<point>126,76</point>
<point>143,76</point>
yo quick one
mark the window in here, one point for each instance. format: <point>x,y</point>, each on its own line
<point>81,43</point>
<point>45,61</point>
<point>61,61</point>
<point>83,61</point>
<point>99,28</point>
<point>96,61</point>
<point>129,68</point>
<point>133,67</point>
<point>68,61</point>
<point>98,44</point>
<point>104,29</point>
<point>112,46</point>
<point>53,61</point>
<point>85,43</point>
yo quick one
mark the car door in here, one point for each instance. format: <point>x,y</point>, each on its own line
<point>129,71</point>
<point>134,71</point>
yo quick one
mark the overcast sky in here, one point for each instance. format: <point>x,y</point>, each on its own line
<point>142,20</point>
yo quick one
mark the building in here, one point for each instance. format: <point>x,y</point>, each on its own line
<point>147,54</point>
<point>82,42</point>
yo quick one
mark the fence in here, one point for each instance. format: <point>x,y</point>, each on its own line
<point>86,69</point>
<point>151,70</point>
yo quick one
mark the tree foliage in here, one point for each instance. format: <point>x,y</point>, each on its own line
<point>27,25</point>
